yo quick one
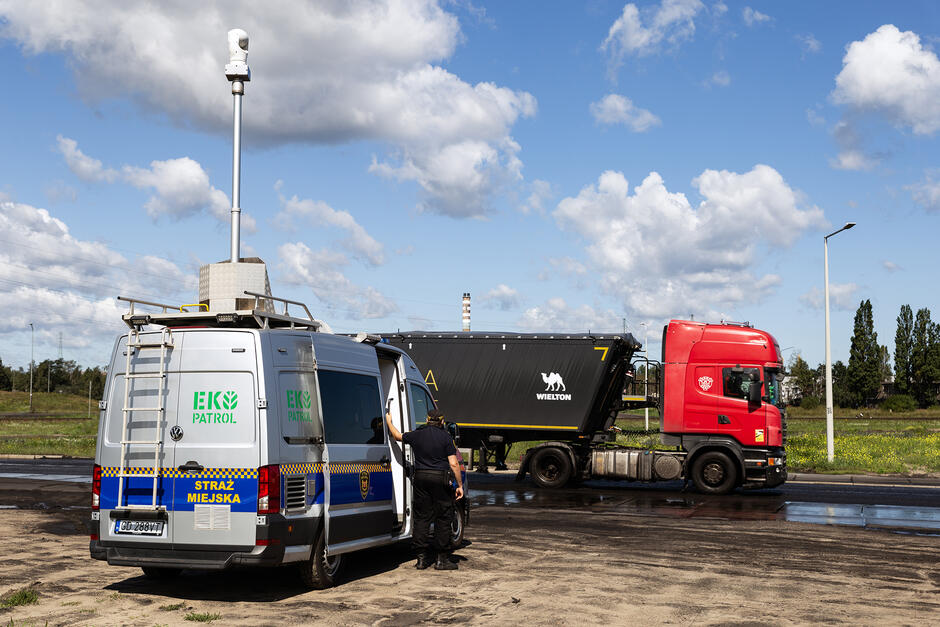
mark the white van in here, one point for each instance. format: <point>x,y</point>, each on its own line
<point>252,439</point>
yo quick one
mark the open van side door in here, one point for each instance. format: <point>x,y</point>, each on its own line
<point>358,478</point>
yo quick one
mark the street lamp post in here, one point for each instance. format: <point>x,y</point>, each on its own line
<point>830,446</point>
<point>31,367</point>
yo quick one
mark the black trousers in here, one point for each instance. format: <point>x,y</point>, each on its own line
<point>433,502</point>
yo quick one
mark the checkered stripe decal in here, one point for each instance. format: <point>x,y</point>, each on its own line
<point>357,468</point>
<point>308,468</point>
<point>301,469</point>
<point>174,473</point>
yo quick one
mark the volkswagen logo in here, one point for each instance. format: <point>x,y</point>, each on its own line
<point>176,433</point>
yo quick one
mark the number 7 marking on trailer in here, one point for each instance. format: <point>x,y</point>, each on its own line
<point>602,348</point>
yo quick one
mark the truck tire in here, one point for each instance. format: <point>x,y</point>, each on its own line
<point>551,468</point>
<point>713,472</point>
<point>320,571</point>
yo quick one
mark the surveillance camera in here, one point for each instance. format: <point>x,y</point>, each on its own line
<point>238,45</point>
<point>237,68</point>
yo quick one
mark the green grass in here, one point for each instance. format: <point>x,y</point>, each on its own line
<point>862,445</point>
<point>47,402</point>
<point>23,596</point>
<point>68,446</point>
<point>204,617</point>
<point>172,607</point>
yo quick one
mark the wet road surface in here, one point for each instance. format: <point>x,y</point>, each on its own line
<point>833,501</point>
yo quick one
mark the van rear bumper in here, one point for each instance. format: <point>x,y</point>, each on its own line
<point>201,558</point>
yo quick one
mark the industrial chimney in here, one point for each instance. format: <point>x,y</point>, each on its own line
<point>466,311</point>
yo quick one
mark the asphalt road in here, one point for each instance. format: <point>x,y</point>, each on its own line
<point>879,502</point>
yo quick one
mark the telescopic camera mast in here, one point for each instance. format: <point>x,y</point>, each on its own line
<point>238,73</point>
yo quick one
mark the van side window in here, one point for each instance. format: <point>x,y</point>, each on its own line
<point>352,411</point>
<point>421,404</point>
<point>736,384</point>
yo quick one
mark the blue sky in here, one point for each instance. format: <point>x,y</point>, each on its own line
<point>571,165</point>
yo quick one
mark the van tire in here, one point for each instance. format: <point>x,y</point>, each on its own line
<point>713,472</point>
<point>158,572</point>
<point>551,467</point>
<point>319,571</point>
<point>457,526</point>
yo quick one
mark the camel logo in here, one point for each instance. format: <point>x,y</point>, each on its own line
<point>553,385</point>
<point>364,484</point>
<point>553,382</point>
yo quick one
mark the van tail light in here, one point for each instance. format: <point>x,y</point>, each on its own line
<point>269,489</point>
<point>96,488</point>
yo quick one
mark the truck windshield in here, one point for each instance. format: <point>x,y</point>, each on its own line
<point>774,379</point>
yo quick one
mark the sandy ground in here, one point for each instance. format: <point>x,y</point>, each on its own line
<point>533,566</point>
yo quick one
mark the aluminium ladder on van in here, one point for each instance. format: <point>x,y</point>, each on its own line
<point>130,412</point>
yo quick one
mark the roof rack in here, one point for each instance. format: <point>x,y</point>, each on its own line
<point>258,317</point>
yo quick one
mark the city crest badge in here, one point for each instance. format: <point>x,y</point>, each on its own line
<point>364,484</point>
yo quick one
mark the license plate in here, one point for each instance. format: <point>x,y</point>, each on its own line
<point>140,527</point>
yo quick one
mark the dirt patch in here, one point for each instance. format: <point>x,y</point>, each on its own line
<point>523,566</point>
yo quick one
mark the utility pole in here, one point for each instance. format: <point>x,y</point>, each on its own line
<point>89,399</point>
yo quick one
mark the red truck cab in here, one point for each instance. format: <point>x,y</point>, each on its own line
<point>721,394</point>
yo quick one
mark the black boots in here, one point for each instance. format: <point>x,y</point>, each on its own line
<point>424,560</point>
<point>443,562</point>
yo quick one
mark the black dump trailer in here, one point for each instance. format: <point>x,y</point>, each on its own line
<point>502,388</point>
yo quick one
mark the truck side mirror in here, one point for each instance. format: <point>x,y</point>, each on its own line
<point>753,393</point>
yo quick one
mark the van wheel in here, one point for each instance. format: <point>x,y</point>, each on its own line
<point>320,571</point>
<point>550,468</point>
<point>456,526</point>
<point>713,472</point>
<point>157,572</point>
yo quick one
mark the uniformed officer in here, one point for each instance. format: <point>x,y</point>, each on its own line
<point>435,455</point>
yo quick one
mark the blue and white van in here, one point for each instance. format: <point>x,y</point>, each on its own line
<point>251,438</point>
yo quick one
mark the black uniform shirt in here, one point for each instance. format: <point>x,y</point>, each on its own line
<point>431,445</point>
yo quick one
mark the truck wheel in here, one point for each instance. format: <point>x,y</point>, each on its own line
<point>456,527</point>
<point>550,468</point>
<point>320,571</point>
<point>158,572</point>
<point>713,472</point>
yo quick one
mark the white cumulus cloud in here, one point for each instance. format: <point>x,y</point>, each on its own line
<point>617,109</point>
<point>322,272</point>
<point>891,73</point>
<point>66,285</point>
<point>926,193</point>
<point>501,297</point>
<point>317,213</point>
<point>642,33</point>
<point>180,187</point>
<point>752,16</point>
<point>556,315</point>
<point>324,72</point>
<point>660,255</point>
<point>841,296</point>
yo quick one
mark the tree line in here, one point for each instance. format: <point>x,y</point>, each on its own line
<point>54,375</point>
<point>861,383</point>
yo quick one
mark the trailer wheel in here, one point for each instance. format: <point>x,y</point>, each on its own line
<point>159,572</point>
<point>713,472</point>
<point>320,571</point>
<point>550,468</point>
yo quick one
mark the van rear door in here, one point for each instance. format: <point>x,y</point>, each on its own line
<point>215,440</point>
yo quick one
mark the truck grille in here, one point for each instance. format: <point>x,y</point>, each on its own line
<point>295,492</point>
<point>783,426</point>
